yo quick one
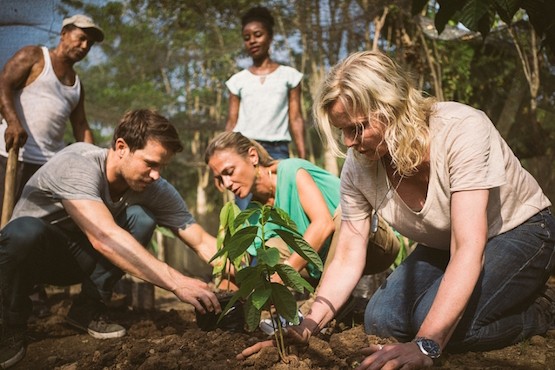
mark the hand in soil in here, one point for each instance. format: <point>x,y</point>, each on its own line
<point>199,295</point>
<point>394,356</point>
<point>296,336</point>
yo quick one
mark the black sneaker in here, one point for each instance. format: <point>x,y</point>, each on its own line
<point>546,301</point>
<point>39,298</point>
<point>12,349</point>
<point>97,325</point>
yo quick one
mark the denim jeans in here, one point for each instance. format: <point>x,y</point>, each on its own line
<point>276,150</point>
<point>32,251</point>
<point>502,309</point>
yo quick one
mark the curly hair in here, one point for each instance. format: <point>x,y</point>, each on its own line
<point>259,14</point>
<point>370,84</point>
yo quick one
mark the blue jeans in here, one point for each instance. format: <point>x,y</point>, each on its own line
<point>32,251</point>
<point>502,309</point>
<point>276,150</point>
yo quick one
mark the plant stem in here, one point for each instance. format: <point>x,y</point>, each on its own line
<point>280,341</point>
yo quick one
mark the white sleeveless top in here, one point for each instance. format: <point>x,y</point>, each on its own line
<point>43,108</point>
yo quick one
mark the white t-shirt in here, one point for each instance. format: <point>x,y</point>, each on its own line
<point>467,153</point>
<point>264,107</point>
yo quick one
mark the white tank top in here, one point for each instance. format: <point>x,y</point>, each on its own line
<point>43,108</point>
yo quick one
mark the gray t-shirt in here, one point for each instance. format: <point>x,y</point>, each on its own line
<point>78,172</point>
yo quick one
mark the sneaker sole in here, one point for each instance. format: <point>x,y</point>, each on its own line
<point>14,360</point>
<point>114,334</point>
<point>96,334</point>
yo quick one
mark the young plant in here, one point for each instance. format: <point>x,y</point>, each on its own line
<point>223,265</point>
<point>256,289</point>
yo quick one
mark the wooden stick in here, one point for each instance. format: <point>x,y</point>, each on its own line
<point>9,186</point>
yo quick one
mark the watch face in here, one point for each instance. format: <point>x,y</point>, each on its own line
<point>428,347</point>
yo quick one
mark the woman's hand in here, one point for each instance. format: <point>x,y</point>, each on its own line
<point>297,335</point>
<point>404,356</point>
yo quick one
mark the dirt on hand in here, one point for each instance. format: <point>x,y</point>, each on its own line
<point>168,338</point>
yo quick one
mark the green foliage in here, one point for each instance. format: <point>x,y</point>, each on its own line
<point>153,244</point>
<point>228,214</point>
<point>255,286</point>
<point>480,15</point>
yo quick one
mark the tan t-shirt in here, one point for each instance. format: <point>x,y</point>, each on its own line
<point>467,153</point>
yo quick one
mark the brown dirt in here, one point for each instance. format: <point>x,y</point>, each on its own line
<point>168,338</point>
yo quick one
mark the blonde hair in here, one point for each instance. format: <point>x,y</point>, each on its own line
<point>240,144</point>
<point>372,85</point>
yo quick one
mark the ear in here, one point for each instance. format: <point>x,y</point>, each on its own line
<point>121,147</point>
<point>253,156</point>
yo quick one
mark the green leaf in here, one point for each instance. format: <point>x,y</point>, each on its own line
<point>299,245</point>
<point>281,218</point>
<point>229,304</point>
<point>231,216</point>
<point>268,257</point>
<point>246,214</point>
<point>224,215</point>
<point>219,267</point>
<point>260,297</point>
<point>165,231</point>
<point>478,15</point>
<point>285,303</point>
<point>446,12</point>
<point>293,279</point>
<point>252,315</point>
<point>507,9</point>
<point>239,242</point>
<point>244,276</point>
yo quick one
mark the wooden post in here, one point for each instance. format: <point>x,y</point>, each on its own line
<point>9,186</point>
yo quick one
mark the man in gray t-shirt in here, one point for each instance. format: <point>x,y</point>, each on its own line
<point>86,216</point>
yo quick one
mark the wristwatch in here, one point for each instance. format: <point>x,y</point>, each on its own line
<point>428,347</point>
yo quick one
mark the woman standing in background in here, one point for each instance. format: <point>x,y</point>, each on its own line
<point>265,99</point>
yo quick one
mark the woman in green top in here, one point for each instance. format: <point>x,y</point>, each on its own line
<point>309,194</point>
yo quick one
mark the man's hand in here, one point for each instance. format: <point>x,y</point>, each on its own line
<point>15,135</point>
<point>199,295</point>
<point>394,356</point>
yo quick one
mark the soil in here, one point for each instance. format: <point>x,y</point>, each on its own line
<point>167,337</point>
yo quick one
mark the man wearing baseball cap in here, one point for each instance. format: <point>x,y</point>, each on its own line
<point>39,92</point>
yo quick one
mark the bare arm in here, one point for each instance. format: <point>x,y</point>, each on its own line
<point>233,112</point>
<point>199,240</point>
<point>468,240</point>
<point>79,123</point>
<point>342,275</point>
<point>296,122</point>
<point>321,221</point>
<point>120,248</point>
<point>23,68</point>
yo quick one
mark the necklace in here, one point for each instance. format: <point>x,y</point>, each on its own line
<point>388,195</point>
